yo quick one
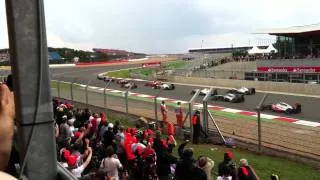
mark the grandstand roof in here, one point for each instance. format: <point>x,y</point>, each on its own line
<point>292,31</point>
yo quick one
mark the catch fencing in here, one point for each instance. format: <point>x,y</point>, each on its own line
<point>301,141</point>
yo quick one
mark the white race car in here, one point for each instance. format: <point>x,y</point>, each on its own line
<point>234,98</point>
<point>165,86</point>
<point>205,91</point>
<point>243,90</point>
<point>283,107</point>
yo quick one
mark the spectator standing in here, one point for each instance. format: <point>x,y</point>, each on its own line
<point>111,164</point>
<point>64,129</point>
<point>196,127</point>
<point>206,164</point>
<point>227,167</point>
<point>179,114</point>
<point>164,164</point>
<point>164,111</point>
<point>246,172</point>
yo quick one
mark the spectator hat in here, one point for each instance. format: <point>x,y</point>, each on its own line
<point>77,134</point>
<point>71,160</point>
<point>228,155</point>
<point>110,125</point>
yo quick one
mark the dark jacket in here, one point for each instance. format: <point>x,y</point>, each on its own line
<point>245,173</point>
<point>187,170</point>
<point>163,166</point>
<point>227,168</point>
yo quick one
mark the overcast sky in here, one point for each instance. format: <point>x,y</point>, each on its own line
<point>166,26</point>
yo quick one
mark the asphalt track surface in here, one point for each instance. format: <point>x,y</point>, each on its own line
<point>310,105</point>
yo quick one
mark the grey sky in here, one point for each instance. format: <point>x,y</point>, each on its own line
<point>166,26</point>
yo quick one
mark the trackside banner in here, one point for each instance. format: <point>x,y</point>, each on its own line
<point>289,69</point>
<point>151,64</point>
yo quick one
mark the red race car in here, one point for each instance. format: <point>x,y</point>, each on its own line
<point>153,83</point>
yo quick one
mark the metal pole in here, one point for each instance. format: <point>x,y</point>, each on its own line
<point>126,101</point>
<point>58,87</point>
<point>71,91</point>
<point>215,124</point>
<point>86,93</point>
<point>105,97</point>
<point>258,108</point>
<point>205,110</point>
<point>156,106</point>
<point>31,84</point>
<point>190,120</point>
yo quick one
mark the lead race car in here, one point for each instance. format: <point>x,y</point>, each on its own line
<point>153,83</point>
<point>205,91</point>
<point>165,86</point>
<point>234,98</point>
<point>283,108</point>
<point>243,90</point>
<point>105,78</point>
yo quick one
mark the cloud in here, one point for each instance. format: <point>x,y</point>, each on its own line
<point>167,26</point>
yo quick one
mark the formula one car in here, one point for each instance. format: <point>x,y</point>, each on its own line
<point>283,107</point>
<point>165,86</point>
<point>234,98</point>
<point>153,83</point>
<point>205,91</point>
<point>127,85</point>
<point>123,81</point>
<point>105,78</point>
<point>243,90</point>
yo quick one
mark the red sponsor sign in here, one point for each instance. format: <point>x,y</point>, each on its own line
<point>152,64</point>
<point>289,69</point>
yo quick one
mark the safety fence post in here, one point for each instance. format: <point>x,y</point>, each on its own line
<point>58,88</point>
<point>105,97</point>
<point>196,94</point>
<point>86,94</point>
<point>215,124</point>
<point>126,100</point>
<point>258,109</point>
<point>156,107</point>
<point>205,110</point>
<point>71,91</point>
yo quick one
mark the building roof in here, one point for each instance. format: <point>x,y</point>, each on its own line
<point>289,30</point>
<point>107,51</point>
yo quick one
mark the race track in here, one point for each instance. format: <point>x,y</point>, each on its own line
<point>85,74</point>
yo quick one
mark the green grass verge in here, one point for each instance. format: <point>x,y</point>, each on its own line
<point>176,64</point>
<point>125,73</point>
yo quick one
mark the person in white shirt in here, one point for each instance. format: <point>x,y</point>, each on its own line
<point>111,164</point>
<point>78,170</point>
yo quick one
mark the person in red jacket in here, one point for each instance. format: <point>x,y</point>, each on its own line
<point>179,115</point>
<point>164,111</point>
<point>196,127</point>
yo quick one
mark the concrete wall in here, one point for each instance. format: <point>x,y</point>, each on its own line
<point>237,66</point>
<point>308,89</point>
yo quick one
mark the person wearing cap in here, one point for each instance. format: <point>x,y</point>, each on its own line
<point>179,114</point>
<point>73,166</point>
<point>227,167</point>
<point>206,164</point>
<point>246,172</point>
<point>196,127</point>
<point>109,136</point>
<point>164,111</point>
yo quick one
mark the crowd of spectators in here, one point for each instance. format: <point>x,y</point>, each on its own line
<point>91,147</point>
